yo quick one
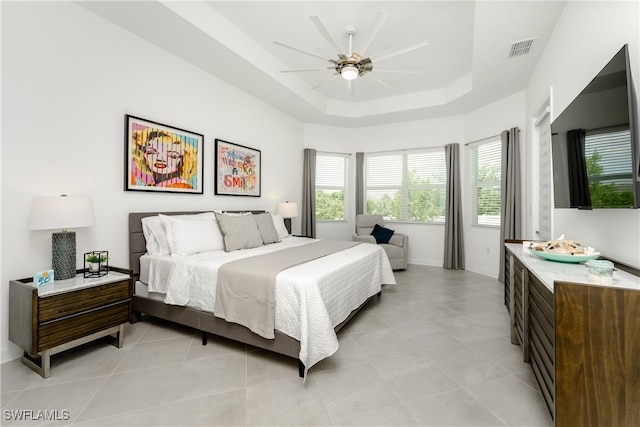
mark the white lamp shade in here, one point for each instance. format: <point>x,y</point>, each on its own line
<point>288,209</point>
<point>61,212</point>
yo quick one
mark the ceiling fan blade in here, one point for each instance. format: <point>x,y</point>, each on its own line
<point>351,87</point>
<point>305,69</point>
<point>395,52</point>
<point>324,81</point>
<point>383,83</point>
<point>315,55</point>
<point>325,33</point>
<point>406,70</point>
<point>376,25</point>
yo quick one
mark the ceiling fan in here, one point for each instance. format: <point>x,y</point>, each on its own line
<point>351,65</point>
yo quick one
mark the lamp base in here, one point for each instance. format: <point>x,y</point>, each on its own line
<point>63,254</point>
<point>287,224</point>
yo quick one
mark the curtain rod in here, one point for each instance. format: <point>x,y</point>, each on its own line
<point>334,152</point>
<point>404,149</point>
<point>478,141</point>
<point>487,138</point>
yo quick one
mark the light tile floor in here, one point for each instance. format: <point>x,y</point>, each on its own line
<point>432,351</point>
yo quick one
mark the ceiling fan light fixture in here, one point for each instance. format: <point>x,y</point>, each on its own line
<point>349,72</point>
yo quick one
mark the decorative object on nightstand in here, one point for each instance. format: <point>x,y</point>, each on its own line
<point>96,263</point>
<point>62,212</point>
<point>288,210</point>
<point>43,278</point>
<point>46,320</point>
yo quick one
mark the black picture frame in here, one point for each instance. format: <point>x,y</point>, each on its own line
<point>162,158</point>
<point>238,170</point>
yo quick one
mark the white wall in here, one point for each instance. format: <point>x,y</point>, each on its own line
<point>586,37</point>
<point>68,79</point>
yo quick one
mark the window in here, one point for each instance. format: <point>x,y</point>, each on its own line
<point>609,168</point>
<point>545,202</point>
<point>485,182</point>
<point>331,175</point>
<point>406,185</point>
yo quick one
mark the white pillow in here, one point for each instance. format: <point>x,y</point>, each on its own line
<point>155,235</point>
<point>155,232</point>
<point>278,222</point>
<point>192,235</point>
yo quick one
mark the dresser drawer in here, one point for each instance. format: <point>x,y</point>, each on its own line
<point>70,303</point>
<point>66,329</point>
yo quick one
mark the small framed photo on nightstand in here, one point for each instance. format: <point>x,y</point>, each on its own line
<point>43,278</point>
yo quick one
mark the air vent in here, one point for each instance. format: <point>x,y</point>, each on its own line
<point>520,48</point>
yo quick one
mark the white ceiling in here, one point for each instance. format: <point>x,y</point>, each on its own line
<point>466,64</point>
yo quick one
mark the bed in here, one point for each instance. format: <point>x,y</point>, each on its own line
<point>313,299</point>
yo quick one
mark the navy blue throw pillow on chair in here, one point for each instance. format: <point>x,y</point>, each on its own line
<point>381,234</point>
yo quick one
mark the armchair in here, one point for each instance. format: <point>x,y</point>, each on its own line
<point>397,249</point>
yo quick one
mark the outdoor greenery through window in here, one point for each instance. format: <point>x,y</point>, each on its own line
<point>406,185</point>
<point>609,168</point>
<point>485,182</point>
<point>331,175</point>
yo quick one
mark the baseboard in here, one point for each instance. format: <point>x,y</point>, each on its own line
<point>9,354</point>
<point>471,268</point>
<point>483,271</point>
<point>429,263</point>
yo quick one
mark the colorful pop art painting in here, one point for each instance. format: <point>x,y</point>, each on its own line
<point>162,158</point>
<point>237,170</point>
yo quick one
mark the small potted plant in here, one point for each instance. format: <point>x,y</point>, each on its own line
<point>95,263</point>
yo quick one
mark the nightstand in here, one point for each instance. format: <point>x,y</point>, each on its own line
<point>50,319</point>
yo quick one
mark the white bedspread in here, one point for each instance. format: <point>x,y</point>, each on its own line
<point>311,299</point>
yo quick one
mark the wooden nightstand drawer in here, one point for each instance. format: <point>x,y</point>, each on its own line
<point>67,304</point>
<point>66,329</point>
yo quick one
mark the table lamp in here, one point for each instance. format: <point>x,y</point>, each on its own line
<point>288,210</point>
<point>61,213</point>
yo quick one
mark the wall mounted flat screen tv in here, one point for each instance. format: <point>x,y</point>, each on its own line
<point>595,148</point>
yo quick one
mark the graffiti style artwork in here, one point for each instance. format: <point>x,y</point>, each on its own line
<point>237,170</point>
<point>162,158</point>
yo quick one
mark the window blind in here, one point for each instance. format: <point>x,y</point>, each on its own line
<point>331,174</point>
<point>612,151</point>
<point>545,189</point>
<point>485,183</point>
<point>406,185</point>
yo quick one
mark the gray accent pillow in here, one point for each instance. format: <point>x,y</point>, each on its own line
<point>267,229</point>
<point>239,231</point>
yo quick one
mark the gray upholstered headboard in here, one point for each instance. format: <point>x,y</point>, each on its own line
<point>137,243</point>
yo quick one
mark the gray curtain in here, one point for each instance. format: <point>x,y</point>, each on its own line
<point>453,235</point>
<point>510,203</point>
<point>359,183</point>
<point>579,194</point>
<point>309,193</point>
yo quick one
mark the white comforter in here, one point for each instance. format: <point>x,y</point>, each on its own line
<point>311,299</point>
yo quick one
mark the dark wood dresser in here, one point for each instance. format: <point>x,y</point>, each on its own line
<point>582,340</point>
